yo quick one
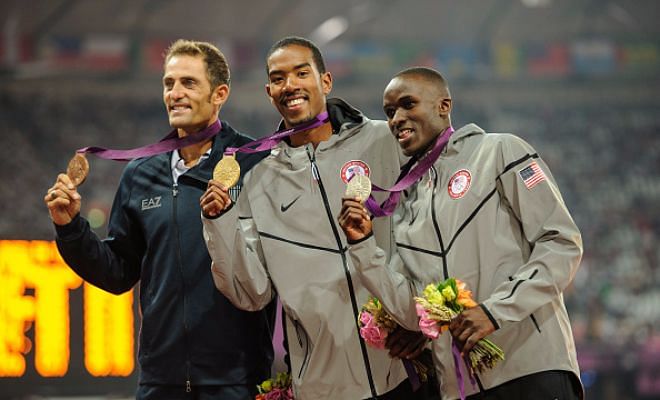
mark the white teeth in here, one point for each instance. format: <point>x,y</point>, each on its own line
<point>295,102</point>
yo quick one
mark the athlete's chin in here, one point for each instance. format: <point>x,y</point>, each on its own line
<point>299,120</point>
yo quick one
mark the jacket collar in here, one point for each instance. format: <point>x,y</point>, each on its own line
<point>461,134</point>
<point>342,116</point>
<point>203,171</point>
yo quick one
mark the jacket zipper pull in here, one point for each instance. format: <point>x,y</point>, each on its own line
<point>175,190</point>
<point>188,388</point>
<point>312,159</point>
<point>315,172</point>
<point>316,176</point>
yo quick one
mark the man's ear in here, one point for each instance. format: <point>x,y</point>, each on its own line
<point>268,94</point>
<point>220,95</point>
<point>326,82</point>
<point>444,107</point>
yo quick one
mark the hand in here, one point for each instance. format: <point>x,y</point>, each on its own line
<point>405,344</point>
<point>354,219</point>
<point>469,327</point>
<point>63,200</point>
<point>215,200</point>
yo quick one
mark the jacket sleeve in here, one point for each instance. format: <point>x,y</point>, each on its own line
<point>238,265</point>
<point>550,237</point>
<point>112,264</point>
<point>383,280</point>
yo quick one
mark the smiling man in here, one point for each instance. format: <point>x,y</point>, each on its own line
<point>194,344</point>
<point>487,212</point>
<point>282,236</point>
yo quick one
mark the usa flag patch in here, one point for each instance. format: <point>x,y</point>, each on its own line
<point>532,175</point>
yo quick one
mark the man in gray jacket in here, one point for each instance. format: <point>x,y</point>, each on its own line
<point>282,237</point>
<point>487,212</point>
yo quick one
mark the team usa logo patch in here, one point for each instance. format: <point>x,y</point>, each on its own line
<point>459,184</point>
<point>354,167</point>
<point>532,175</point>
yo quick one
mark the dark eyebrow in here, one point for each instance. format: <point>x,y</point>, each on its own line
<point>297,67</point>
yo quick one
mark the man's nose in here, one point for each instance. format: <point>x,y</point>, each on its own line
<point>398,117</point>
<point>177,91</point>
<point>290,84</point>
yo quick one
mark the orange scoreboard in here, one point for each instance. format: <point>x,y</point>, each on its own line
<point>58,334</point>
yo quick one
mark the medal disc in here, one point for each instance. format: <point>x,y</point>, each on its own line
<point>77,169</point>
<point>359,187</point>
<point>227,171</point>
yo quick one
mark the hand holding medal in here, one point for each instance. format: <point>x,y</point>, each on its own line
<point>216,199</point>
<point>354,218</point>
<point>62,199</point>
<point>77,171</point>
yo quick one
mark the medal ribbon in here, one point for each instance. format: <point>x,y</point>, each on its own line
<point>412,374</point>
<point>423,165</point>
<point>170,142</point>
<point>173,142</point>
<point>267,142</point>
<point>459,375</point>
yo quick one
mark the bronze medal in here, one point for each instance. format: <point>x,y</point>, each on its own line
<point>359,187</point>
<point>227,171</point>
<point>77,169</point>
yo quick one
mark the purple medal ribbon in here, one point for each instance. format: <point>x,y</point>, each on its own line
<point>170,142</point>
<point>423,165</point>
<point>459,375</point>
<point>173,142</point>
<point>267,142</point>
<point>412,374</point>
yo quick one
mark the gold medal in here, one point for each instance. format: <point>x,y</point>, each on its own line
<point>227,171</point>
<point>77,169</point>
<point>359,187</point>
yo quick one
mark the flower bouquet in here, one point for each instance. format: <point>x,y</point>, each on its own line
<point>442,302</point>
<point>376,324</point>
<point>278,388</point>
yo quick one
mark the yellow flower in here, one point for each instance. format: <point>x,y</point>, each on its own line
<point>448,293</point>
<point>433,295</point>
<point>267,385</point>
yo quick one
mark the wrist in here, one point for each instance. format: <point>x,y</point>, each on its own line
<point>362,239</point>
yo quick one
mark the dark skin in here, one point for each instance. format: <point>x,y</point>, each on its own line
<point>356,223</point>
<point>417,110</point>
<point>297,89</point>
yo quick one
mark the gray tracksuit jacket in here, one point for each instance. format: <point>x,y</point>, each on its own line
<point>282,238</point>
<point>485,215</point>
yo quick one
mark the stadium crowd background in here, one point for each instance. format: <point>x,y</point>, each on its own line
<point>579,80</point>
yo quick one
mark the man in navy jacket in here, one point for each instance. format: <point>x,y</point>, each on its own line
<point>194,344</point>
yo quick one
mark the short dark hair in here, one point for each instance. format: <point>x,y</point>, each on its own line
<point>429,74</point>
<point>217,68</point>
<point>299,41</point>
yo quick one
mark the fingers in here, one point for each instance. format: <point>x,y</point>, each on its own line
<point>215,200</point>
<point>405,344</point>
<point>469,327</point>
<point>62,191</point>
<point>62,200</point>
<point>352,212</point>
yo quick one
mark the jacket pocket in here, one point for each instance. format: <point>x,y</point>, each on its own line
<point>536,324</point>
<point>304,343</point>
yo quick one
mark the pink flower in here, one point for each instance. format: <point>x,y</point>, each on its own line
<point>280,394</point>
<point>429,327</point>
<point>373,334</point>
